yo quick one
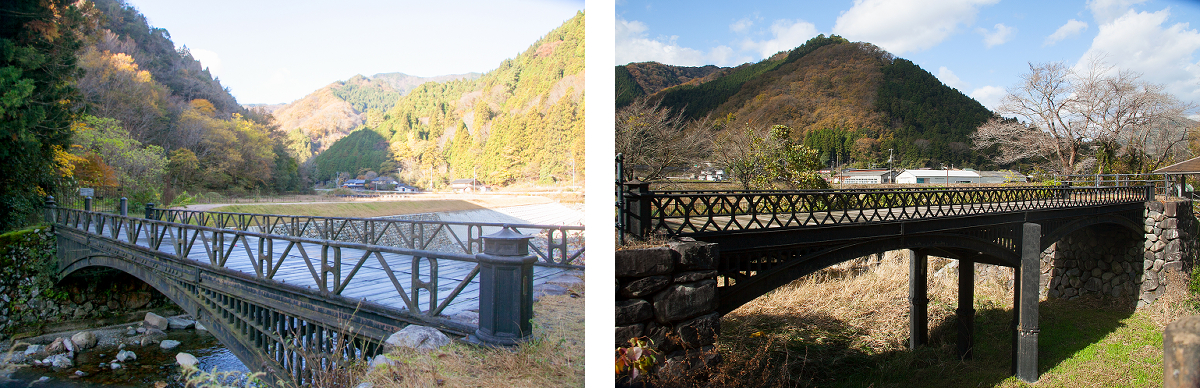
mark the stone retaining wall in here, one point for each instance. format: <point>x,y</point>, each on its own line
<point>669,294</point>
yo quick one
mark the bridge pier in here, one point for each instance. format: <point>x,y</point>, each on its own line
<point>966,308</point>
<point>918,298</point>
<point>1025,304</point>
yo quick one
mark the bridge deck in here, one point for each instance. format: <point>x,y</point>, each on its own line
<point>371,282</point>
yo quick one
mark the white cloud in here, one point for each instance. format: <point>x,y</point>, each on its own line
<point>634,46</point>
<point>1001,35</point>
<point>785,35</point>
<point>901,26</point>
<point>1072,28</point>
<point>208,59</point>
<point>1143,42</point>
<point>950,79</point>
<point>989,96</point>
<point>741,26</point>
<point>1108,10</point>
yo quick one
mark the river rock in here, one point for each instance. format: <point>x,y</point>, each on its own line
<point>61,361</point>
<point>114,366</point>
<point>200,327</point>
<point>29,351</point>
<point>169,344</point>
<point>84,339</point>
<point>126,355</point>
<point>186,360</point>
<point>176,323</point>
<point>416,337</point>
<point>380,360</point>
<point>156,321</point>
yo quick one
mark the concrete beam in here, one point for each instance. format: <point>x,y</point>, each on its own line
<point>918,298</point>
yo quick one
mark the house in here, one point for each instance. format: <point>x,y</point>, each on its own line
<point>467,185</point>
<point>872,176</point>
<point>383,183</point>
<point>937,176</point>
<point>1004,176</point>
<point>355,184</point>
<point>404,188</point>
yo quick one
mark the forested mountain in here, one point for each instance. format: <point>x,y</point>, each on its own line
<point>522,122</point>
<point>158,123</point>
<point>850,100</point>
<point>314,122</point>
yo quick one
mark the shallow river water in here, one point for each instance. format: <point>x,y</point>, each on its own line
<point>153,365</point>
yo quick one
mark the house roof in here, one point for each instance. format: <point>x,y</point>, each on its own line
<point>1190,166</point>
<point>942,173</point>
<point>466,181</point>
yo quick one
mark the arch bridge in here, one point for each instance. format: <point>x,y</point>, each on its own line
<point>292,294</point>
<point>769,238</point>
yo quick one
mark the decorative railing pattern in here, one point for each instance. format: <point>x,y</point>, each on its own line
<point>554,245</point>
<point>684,213</point>
<point>335,266</point>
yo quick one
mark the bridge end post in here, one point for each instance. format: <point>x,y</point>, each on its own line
<point>1026,308</point>
<point>966,308</point>
<point>918,298</point>
<point>124,206</point>
<point>150,210</point>
<point>636,213</point>
<point>505,289</point>
<point>51,210</point>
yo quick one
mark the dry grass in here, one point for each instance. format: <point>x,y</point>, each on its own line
<point>848,326</point>
<point>553,358</point>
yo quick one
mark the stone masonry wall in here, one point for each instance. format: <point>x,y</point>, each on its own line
<point>669,294</point>
<point>1112,261</point>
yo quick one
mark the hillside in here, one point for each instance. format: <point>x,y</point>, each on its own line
<point>317,120</point>
<point>851,100</point>
<point>519,123</point>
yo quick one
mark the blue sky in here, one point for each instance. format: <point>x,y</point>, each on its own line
<point>279,51</point>
<point>979,47</point>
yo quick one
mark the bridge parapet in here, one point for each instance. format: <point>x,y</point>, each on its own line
<point>554,245</point>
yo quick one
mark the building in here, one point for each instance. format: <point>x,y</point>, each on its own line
<point>355,184</point>
<point>404,188</point>
<point>937,176</point>
<point>872,177</point>
<point>467,186</point>
<point>1004,176</point>
<point>383,183</point>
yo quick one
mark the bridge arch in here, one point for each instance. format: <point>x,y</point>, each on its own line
<point>1075,225</point>
<point>954,245</point>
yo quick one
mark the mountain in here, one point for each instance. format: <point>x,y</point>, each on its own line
<point>519,123</point>
<point>317,120</point>
<point>851,100</point>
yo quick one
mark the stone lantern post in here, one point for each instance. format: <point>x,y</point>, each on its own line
<point>505,288</point>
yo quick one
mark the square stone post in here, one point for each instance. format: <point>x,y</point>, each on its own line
<point>637,209</point>
<point>966,308</point>
<point>124,206</point>
<point>51,215</point>
<point>918,298</point>
<point>1026,335</point>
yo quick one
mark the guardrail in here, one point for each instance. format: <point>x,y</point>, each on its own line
<point>322,258</point>
<point>684,213</point>
<point>554,245</point>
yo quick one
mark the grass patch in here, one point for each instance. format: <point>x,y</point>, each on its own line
<point>848,327</point>
<point>354,209</point>
<point>552,358</point>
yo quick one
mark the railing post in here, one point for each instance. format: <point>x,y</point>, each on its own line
<point>51,210</point>
<point>505,289</point>
<point>124,206</point>
<point>637,208</point>
<point>150,210</point>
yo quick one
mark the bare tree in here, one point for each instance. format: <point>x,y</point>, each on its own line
<point>1071,111</point>
<point>656,141</point>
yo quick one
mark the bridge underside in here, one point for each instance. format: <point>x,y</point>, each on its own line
<point>270,326</point>
<point>753,263</point>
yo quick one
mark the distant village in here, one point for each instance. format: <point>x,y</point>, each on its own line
<point>386,183</point>
<point>711,172</point>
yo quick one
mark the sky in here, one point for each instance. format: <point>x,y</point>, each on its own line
<point>980,47</point>
<point>280,51</point>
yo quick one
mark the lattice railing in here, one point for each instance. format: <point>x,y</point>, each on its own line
<point>555,245</point>
<point>684,213</point>
<point>333,266</point>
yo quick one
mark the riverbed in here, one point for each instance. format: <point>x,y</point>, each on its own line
<point>153,364</point>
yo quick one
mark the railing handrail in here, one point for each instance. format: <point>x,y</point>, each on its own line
<point>697,212</point>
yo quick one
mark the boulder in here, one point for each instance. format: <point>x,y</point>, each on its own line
<point>60,361</point>
<point>683,301</point>
<point>200,327</point>
<point>156,321</point>
<point>176,323</point>
<point>416,337</point>
<point>644,262</point>
<point>168,344</point>
<point>84,340</point>
<point>633,311</point>
<point>186,360</point>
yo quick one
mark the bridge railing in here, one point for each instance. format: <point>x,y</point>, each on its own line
<point>554,245</point>
<point>683,213</point>
<point>419,285</point>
